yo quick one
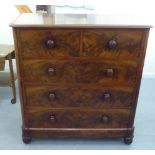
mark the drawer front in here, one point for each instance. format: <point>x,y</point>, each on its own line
<point>113,43</point>
<point>49,43</point>
<point>51,71</point>
<point>117,118</point>
<point>78,96</point>
<point>107,73</point>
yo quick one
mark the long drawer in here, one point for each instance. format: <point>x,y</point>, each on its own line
<point>71,118</point>
<point>84,71</point>
<point>58,96</point>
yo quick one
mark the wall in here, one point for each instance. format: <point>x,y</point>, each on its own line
<point>143,7</point>
<point>7,14</point>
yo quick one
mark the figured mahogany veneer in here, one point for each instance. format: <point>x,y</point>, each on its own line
<point>78,80</point>
<point>79,96</point>
<point>83,71</point>
<point>120,43</point>
<point>49,43</point>
<point>78,118</point>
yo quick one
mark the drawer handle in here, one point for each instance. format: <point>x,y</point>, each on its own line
<point>106,95</point>
<point>109,72</point>
<point>50,43</point>
<point>52,96</point>
<point>52,118</point>
<point>112,44</point>
<point>51,71</point>
<point>105,119</point>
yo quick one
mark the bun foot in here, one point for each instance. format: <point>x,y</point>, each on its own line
<point>128,140</point>
<point>26,140</point>
<point>129,136</point>
<point>26,136</point>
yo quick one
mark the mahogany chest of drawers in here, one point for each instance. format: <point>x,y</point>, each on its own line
<point>78,80</point>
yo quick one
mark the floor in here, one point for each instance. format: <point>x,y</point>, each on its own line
<point>10,127</point>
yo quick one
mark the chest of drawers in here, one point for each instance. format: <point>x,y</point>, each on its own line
<point>78,80</point>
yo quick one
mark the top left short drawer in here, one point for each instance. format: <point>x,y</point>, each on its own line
<point>41,43</point>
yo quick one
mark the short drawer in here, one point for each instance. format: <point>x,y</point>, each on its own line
<point>113,43</point>
<point>78,96</point>
<point>58,71</point>
<point>40,43</point>
<point>71,118</point>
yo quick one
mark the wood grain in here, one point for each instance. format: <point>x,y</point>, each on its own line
<point>33,42</point>
<point>128,43</point>
<point>79,96</point>
<point>77,118</point>
<point>80,72</point>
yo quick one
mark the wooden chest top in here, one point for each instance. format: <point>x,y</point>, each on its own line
<point>80,20</point>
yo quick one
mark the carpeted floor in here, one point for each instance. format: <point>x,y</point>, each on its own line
<point>10,126</point>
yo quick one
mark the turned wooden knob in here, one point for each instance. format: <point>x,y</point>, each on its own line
<point>51,71</point>
<point>112,44</point>
<point>106,95</point>
<point>52,96</point>
<point>52,118</point>
<point>109,72</point>
<point>50,43</point>
<point>105,119</point>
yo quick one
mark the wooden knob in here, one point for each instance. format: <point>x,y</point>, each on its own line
<point>52,96</point>
<point>106,95</point>
<point>105,119</point>
<point>52,118</point>
<point>51,70</point>
<point>109,72</point>
<point>50,43</point>
<point>112,44</point>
